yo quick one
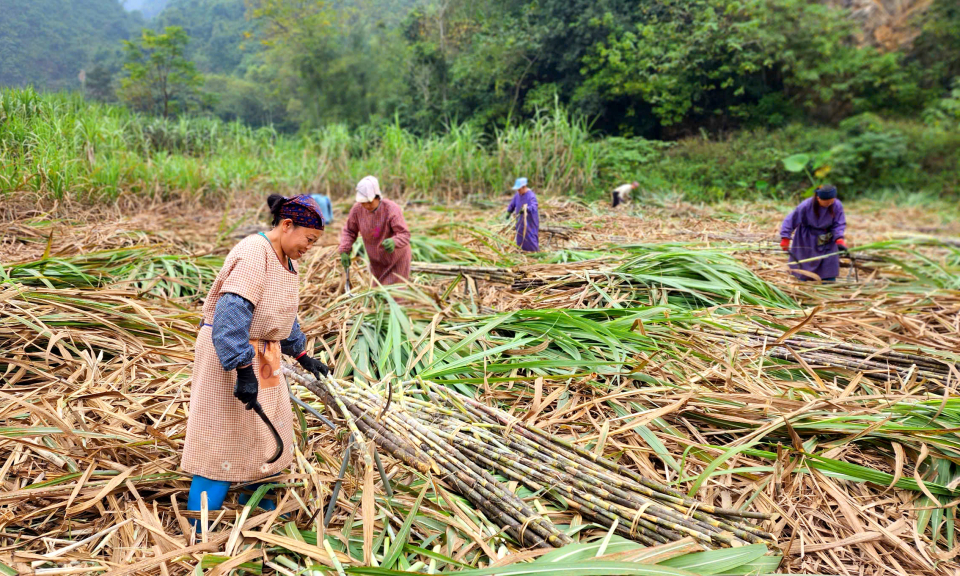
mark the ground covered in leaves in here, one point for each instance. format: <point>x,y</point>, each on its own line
<point>667,338</point>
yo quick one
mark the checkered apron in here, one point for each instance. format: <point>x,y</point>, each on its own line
<point>224,440</point>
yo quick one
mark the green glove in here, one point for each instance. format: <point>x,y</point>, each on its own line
<point>345,260</point>
<point>389,245</point>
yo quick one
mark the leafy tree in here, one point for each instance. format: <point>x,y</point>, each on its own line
<point>330,65</point>
<point>159,79</point>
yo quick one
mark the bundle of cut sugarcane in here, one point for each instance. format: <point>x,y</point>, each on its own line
<point>558,232</point>
<point>431,427</point>
<point>887,363</point>
<point>488,273</point>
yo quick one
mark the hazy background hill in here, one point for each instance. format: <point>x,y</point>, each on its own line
<point>48,42</point>
<point>149,8</point>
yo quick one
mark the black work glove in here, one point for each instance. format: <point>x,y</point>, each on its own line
<point>247,387</point>
<point>314,366</point>
<point>508,215</point>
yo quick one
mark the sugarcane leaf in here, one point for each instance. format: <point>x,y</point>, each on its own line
<point>433,555</point>
<point>717,561</point>
<point>585,551</point>
<point>404,531</point>
<point>763,565</point>
<point>585,568</point>
<point>212,560</point>
<point>726,455</point>
<point>482,331</point>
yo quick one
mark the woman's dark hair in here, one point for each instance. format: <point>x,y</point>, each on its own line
<point>816,208</point>
<point>275,202</point>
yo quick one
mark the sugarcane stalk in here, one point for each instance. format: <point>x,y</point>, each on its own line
<point>485,482</point>
<point>572,471</point>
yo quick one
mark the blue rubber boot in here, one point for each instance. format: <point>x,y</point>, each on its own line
<point>216,491</point>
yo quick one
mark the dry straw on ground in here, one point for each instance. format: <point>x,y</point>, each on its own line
<point>835,414</point>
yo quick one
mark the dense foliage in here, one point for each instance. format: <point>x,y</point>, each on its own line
<point>660,69</point>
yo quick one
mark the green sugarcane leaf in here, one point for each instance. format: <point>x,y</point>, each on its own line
<point>572,552</point>
<point>708,471</point>
<point>211,560</point>
<point>717,561</point>
<point>404,531</point>
<point>586,568</point>
<point>762,565</point>
<point>431,554</point>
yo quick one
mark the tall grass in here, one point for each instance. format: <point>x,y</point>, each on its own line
<point>58,145</point>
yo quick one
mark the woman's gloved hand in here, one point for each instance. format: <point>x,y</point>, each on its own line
<point>389,245</point>
<point>345,260</point>
<point>247,387</point>
<point>784,243</point>
<point>314,366</point>
<point>842,246</point>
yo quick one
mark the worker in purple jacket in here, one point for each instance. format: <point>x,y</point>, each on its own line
<point>817,226</point>
<point>524,204</point>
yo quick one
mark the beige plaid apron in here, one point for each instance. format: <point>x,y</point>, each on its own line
<point>224,440</point>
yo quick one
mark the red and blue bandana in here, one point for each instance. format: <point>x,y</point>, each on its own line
<point>303,211</point>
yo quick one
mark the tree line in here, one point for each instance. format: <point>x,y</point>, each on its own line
<point>660,69</point>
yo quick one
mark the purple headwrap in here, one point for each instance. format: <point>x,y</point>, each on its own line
<point>303,211</point>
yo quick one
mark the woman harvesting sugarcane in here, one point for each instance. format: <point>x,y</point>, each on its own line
<point>817,225</point>
<point>524,204</point>
<point>240,427</point>
<point>386,237</point>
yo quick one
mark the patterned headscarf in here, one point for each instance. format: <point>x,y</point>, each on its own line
<point>303,211</point>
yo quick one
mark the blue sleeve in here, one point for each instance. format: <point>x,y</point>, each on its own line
<point>231,330</point>
<point>295,342</point>
<point>513,204</point>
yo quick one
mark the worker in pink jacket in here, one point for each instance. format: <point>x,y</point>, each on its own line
<point>385,234</point>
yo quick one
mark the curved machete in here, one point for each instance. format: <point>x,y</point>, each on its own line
<point>276,435</point>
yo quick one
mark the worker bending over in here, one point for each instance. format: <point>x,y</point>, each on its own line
<point>621,194</point>
<point>386,237</point>
<point>817,226</point>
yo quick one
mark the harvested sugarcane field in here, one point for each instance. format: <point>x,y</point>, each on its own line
<point>479,287</point>
<point>653,392</point>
